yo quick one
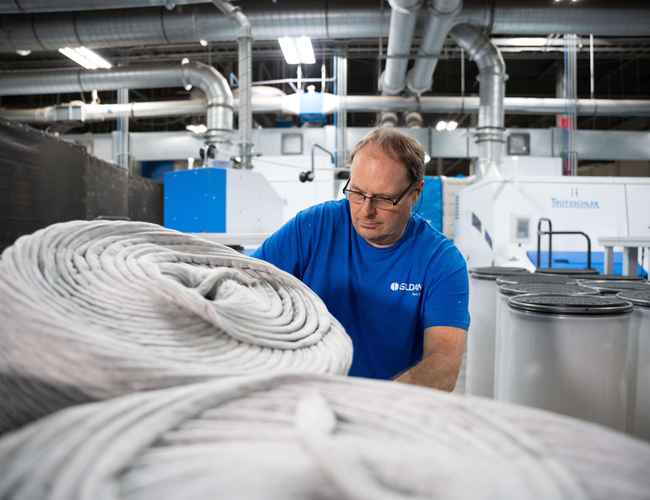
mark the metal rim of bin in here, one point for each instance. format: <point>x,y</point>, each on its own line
<point>592,305</point>
<point>545,288</point>
<point>494,272</point>
<point>612,287</point>
<point>563,271</point>
<point>639,298</point>
<point>610,277</point>
<point>533,278</point>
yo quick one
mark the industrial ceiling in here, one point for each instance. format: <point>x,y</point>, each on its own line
<point>130,32</point>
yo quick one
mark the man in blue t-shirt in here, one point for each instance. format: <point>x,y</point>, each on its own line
<point>397,285</point>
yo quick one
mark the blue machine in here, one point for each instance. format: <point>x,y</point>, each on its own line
<point>195,200</point>
<point>430,205</point>
<point>220,200</point>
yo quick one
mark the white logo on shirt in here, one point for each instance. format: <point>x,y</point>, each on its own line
<point>414,288</point>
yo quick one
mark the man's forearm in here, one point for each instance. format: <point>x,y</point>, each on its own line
<point>437,370</point>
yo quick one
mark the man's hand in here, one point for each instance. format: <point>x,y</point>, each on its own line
<point>442,356</point>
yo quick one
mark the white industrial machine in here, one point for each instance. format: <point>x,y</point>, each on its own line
<point>498,217</point>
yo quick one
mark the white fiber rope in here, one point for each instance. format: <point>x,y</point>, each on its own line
<point>304,436</point>
<point>95,309</point>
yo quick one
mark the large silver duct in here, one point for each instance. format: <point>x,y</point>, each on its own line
<point>442,17</point>
<point>245,70</point>
<point>78,111</point>
<point>490,133</point>
<point>219,100</point>
<point>512,105</point>
<point>22,6</point>
<point>400,37</point>
<point>352,19</point>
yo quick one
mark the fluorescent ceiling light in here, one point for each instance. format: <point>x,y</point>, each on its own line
<point>289,50</point>
<point>297,50</point>
<point>86,57</point>
<point>305,50</point>
<point>526,41</point>
<point>23,52</point>
<point>197,129</point>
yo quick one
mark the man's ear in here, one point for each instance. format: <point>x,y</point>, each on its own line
<point>418,189</point>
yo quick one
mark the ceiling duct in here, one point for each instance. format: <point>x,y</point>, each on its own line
<point>352,19</point>
<point>78,111</point>
<point>219,100</point>
<point>22,6</point>
<point>392,81</point>
<point>442,17</point>
<point>245,70</point>
<point>490,133</point>
<point>400,37</point>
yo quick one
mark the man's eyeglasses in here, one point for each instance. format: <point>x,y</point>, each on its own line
<point>381,202</point>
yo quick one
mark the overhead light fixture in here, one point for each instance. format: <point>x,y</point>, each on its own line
<point>23,52</point>
<point>197,129</point>
<point>297,50</point>
<point>452,125</point>
<point>441,125</point>
<point>204,43</point>
<point>85,57</point>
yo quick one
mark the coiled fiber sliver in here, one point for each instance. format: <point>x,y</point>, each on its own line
<point>91,310</point>
<point>303,436</point>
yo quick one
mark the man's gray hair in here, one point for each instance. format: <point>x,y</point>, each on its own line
<point>399,147</point>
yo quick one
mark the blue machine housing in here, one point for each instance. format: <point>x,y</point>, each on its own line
<point>429,205</point>
<point>195,200</point>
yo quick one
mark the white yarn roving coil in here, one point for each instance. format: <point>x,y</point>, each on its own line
<point>303,436</point>
<point>92,310</point>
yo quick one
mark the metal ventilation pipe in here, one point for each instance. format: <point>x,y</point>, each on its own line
<point>245,65</point>
<point>78,111</point>
<point>400,37</point>
<point>413,119</point>
<point>352,19</point>
<point>442,18</point>
<point>219,98</point>
<point>490,133</point>
<point>21,6</point>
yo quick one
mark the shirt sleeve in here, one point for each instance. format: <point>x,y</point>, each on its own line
<point>285,248</point>
<point>446,297</point>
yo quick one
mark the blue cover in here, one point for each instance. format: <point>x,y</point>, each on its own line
<point>429,205</point>
<point>195,200</point>
<point>311,108</point>
<point>578,260</point>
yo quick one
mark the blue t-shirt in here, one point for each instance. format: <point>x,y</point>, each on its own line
<point>384,297</point>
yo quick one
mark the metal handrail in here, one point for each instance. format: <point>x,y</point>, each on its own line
<point>539,241</point>
<point>574,233</point>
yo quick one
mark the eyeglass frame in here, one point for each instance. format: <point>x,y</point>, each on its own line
<point>394,201</point>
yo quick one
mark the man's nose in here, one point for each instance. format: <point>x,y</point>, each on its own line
<point>368,206</point>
